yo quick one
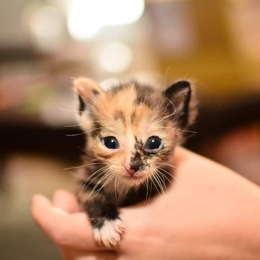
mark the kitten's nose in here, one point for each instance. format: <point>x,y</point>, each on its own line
<point>130,172</point>
<point>135,164</point>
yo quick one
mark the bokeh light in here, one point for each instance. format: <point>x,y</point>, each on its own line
<point>115,57</point>
<point>46,27</point>
<point>87,17</point>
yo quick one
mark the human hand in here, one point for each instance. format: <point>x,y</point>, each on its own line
<point>209,212</point>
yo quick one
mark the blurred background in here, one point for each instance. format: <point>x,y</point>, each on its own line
<point>44,44</point>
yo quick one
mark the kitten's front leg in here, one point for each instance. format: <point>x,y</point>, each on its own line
<point>104,218</point>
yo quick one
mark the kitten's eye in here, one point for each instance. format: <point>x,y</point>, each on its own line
<point>153,143</point>
<point>110,142</point>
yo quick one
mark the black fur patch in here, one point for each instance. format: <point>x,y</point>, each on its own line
<point>136,162</point>
<point>144,96</point>
<point>117,88</point>
<point>89,185</point>
<point>139,146</point>
<point>95,92</point>
<point>172,94</point>
<point>100,209</point>
<point>82,105</point>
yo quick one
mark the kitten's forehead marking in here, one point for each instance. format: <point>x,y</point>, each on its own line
<point>115,103</point>
<point>119,115</point>
<point>131,117</point>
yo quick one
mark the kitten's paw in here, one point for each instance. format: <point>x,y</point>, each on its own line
<point>110,233</point>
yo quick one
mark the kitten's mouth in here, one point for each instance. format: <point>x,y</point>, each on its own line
<point>133,177</point>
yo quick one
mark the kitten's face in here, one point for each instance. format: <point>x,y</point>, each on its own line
<point>132,130</point>
<point>133,137</point>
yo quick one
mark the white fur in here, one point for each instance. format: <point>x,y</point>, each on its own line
<point>110,233</point>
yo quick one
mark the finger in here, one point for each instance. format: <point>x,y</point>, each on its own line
<point>65,201</point>
<point>66,230</point>
<point>44,213</point>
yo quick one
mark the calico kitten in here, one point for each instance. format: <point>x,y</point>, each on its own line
<point>132,130</point>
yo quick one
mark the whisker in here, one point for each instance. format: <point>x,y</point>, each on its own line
<point>162,179</point>
<point>81,111</point>
<point>97,173</point>
<point>86,186</point>
<point>148,193</point>
<point>72,125</point>
<point>93,190</point>
<point>86,152</point>
<point>174,107</point>
<point>127,190</point>
<point>154,183</point>
<point>165,78</point>
<point>162,119</point>
<point>85,132</point>
<point>71,135</point>
<point>81,166</point>
<point>170,174</point>
<point>68,110</point>
<point>186,131</point>
<point>122,188</point>
<point>99,115</point>
<point>166,176</point>
<point>106,182</point>
<point>159,183</point>
<point>115,188</point>
<point>178,129</point>
<point>167,164</point>
<point>106,176</point>
<point>147,188</point>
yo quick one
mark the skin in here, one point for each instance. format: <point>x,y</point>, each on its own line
<point>209,212</point>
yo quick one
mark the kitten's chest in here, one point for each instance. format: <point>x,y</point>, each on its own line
<point>123,195</point>
<point>117,190</point>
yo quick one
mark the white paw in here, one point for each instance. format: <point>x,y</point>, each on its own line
<point>110,233</point>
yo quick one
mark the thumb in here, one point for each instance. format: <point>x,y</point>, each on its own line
<point>44,214</point>
<point>66,201</point>
<point>66,230</point>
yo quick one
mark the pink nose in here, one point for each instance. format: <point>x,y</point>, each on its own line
<point>130,172</point>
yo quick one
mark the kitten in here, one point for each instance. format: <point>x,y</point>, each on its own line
<point>132,130</point>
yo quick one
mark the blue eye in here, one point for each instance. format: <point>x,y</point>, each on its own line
<point>110,142</point>
<point>153,143</point>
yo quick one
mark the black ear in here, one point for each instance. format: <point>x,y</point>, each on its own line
<point>180,96</point>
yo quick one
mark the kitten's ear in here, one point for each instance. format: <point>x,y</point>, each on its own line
<point>87,91</point>
<point>180,94</point>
